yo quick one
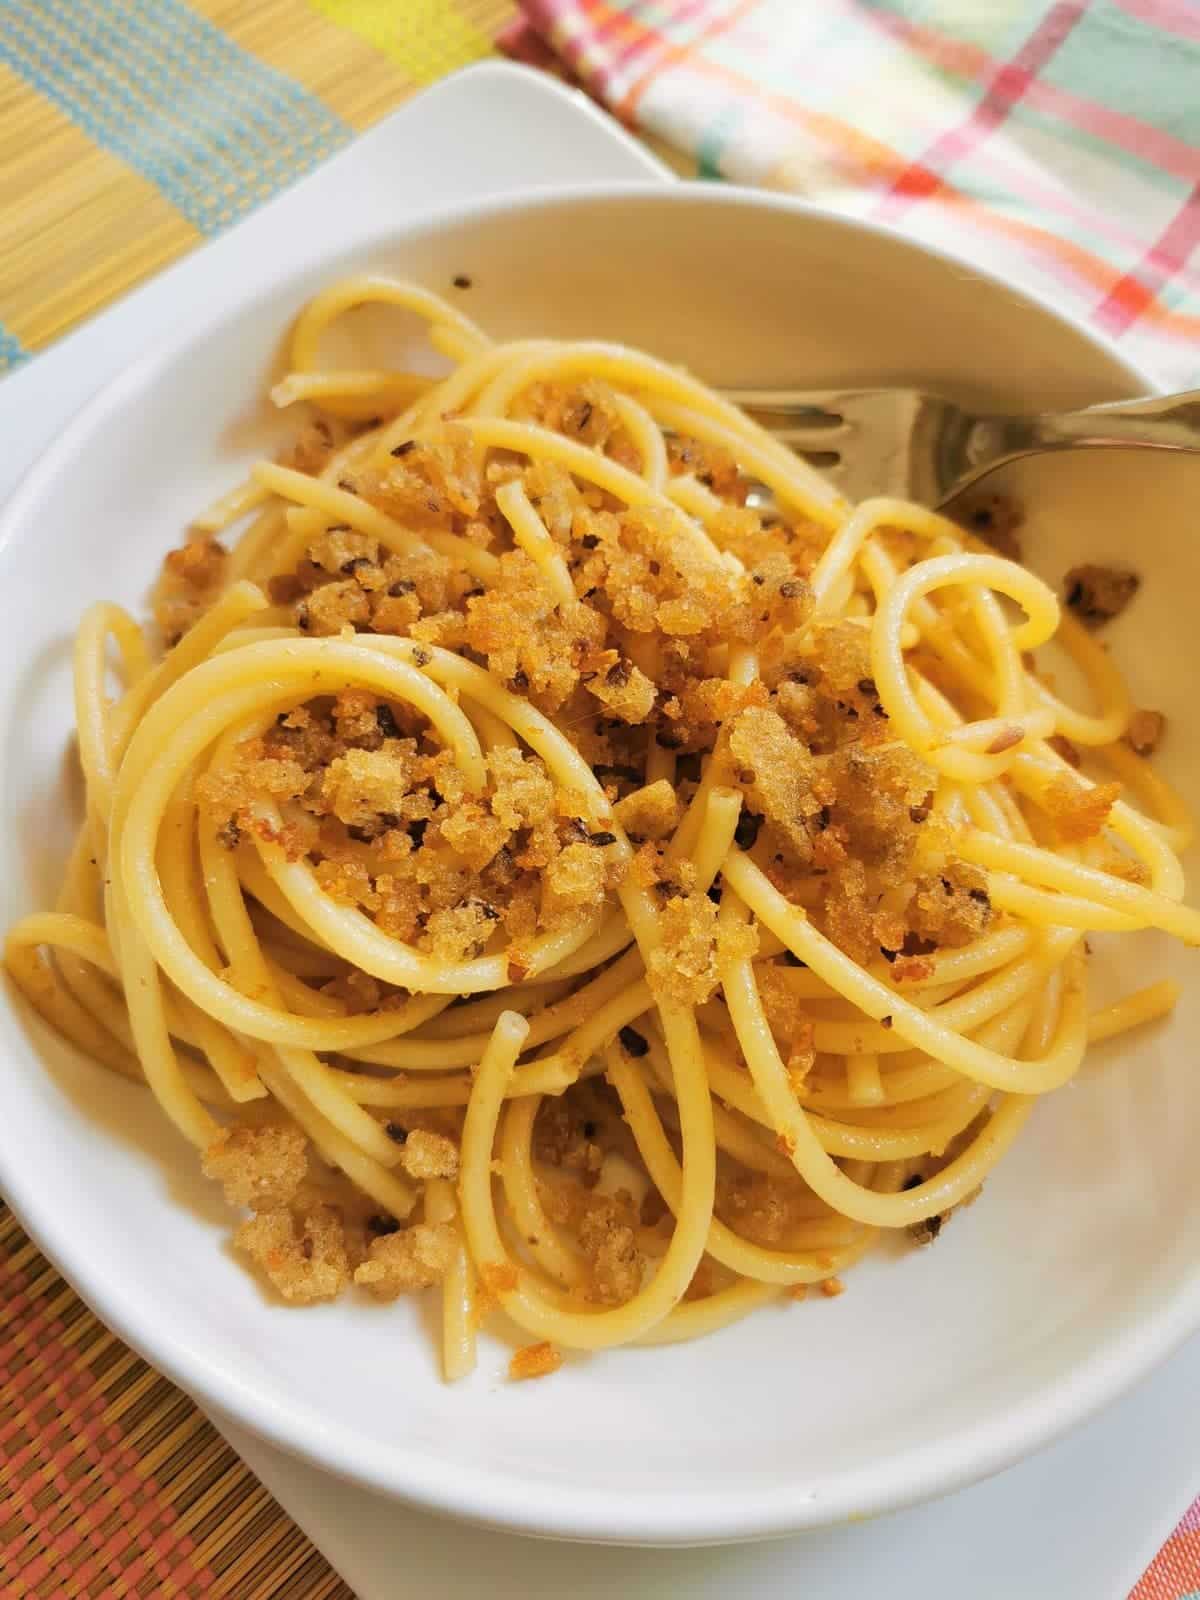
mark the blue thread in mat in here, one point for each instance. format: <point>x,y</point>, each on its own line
<point>12,352</point>
<point>215,129</point>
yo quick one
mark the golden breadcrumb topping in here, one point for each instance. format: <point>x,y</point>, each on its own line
<point>1096,594</point>
<point>607,1232</point>
<point>535,1361</point>
<point>303,1256</point>
<point>1078,813</point>
<point>412,1258</point>
<point>191,579</point>
<point>259,1168</point>
<point>685,967</point>
<point>429,1155</point>
<point>1145,732</point>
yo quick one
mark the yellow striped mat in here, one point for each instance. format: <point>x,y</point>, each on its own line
<point>131,130</point>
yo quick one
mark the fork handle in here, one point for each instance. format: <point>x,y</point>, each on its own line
<point>1157,422</point>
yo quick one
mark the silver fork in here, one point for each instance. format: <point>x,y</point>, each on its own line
<point>926,448</point>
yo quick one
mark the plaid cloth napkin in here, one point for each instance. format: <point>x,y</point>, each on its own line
<point>1056,144</point>
<point>1174,1574</point>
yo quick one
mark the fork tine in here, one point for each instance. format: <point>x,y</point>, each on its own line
<point>808,438</point>
<point>841,470</point>
<point>806,421</point>
<point>825,400</point>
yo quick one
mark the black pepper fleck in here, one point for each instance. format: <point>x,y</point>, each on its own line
<point>746,832</point>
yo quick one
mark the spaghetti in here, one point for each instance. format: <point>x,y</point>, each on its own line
<point>531,868</point>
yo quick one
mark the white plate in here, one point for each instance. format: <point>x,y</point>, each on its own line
<point>1065,1282</point>
<point>1080,1521</point>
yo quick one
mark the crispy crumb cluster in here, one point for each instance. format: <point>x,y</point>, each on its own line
<point>191,579</point>
<point>259,1168</point>
<point>1096,594</point>
<point>414,1258</point>
<point>383,815</point>
<point>303,1255</point>
<point>535,1361</point>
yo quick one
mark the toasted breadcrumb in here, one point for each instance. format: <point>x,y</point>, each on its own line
<point>535,1361</point>
<point>412,1258</point>
<point>761,1207</point>
<point>576,879</point>
<point>259,1168</point>
<point>952,907</point>
<point>1078,812</point>
<point>686,965</point>
<point>927,1230</point>
<point>996,518</point>
<point>1145,731</point>
<point>1097,594</point>
<point>429,1155</point>
<point>191,580</point>
<point>650,813</point>
<point>313,446</point>
<point>608,1239</point>
<point>832,1287</point>
<point>499,1277</point>
<point>625,691</point>
<point>776,769</point>
<point>304,1257</point>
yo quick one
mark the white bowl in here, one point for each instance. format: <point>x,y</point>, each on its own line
<point>1076,1270</point>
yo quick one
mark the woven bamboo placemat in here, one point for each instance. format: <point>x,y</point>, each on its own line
<point>112,1483</point>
